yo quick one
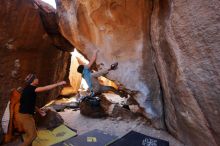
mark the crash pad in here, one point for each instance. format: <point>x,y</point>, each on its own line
<point>6,118</point>
<point>61,107</point>
<point>14,124</point>
<point>51,137</point>
<point>137,139</point>
<point>58,108</point>
<point>92,138</point>
<point>72,105</point>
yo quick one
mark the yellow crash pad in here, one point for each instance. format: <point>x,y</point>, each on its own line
<point>48,138</point>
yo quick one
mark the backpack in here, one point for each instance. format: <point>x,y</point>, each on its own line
<point>92,101</point>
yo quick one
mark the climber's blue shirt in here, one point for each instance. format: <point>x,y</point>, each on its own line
<point>87,76</point>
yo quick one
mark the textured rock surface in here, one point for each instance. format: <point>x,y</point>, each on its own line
<point>181,38</point>
<point>175,42</point>
<point>95,108</point>
<point>186,39</point>
<point>50,121</point>
<point>48,18</point>
<point>26,47</point>
<point>120,29</point>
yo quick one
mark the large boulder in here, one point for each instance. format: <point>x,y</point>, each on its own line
<point>121,31</point>
<point>162,46</point>
<point>185,38</point>
<point>165,48</point>
<point>95,107</point>
<point>50,121</point>
<point>25,46</point>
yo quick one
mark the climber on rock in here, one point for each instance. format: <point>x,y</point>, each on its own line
<point>27,106</point>
<point>92,78</point>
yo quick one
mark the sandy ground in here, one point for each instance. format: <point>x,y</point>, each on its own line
<point>115,126</point>
<point>118,126</point>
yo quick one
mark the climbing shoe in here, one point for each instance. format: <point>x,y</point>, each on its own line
<point>114,66</point>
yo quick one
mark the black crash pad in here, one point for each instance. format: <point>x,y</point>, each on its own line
<point>137,139</point>
<point>92,138</point>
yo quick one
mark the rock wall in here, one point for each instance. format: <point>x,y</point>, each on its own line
<point>165,48</point>
<point>162,43</point>
<point>121,31</point>
<point>185,37</point>
<point>26,47</point>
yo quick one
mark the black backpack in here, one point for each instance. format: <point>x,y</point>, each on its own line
<point>92,101</point>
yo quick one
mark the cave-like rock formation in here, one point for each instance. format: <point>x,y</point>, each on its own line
<point>26,47</point>
<point>121,31</point>
<point>185,38</point>
<point>162,46</point>
<point>167,50</point>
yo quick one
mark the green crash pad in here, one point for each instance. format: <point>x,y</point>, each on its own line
<point>51,137</point>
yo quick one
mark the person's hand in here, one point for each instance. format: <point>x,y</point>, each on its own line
<point>42,112</point>
<point>61,83</point>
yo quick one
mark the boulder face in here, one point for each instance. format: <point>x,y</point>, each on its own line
<point>185,38</point>
<point>121,31</point>
<point>167,50</point>
<point>26,47</point>
<point>50,121</point>
<point>162,46</point>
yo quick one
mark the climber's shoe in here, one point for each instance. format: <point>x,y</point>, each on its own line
<point>114,66</point>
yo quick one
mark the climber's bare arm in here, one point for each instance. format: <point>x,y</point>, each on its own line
<point>49,87</point>
<point>92,61</point>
